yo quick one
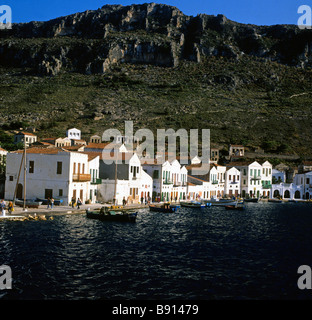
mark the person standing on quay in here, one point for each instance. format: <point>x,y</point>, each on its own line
<point>52,203</point>
<point>49,203</point>
<point>2,206</point>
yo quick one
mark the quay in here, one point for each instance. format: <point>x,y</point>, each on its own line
<point>61,210</point>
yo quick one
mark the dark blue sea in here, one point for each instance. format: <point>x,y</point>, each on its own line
<point>193,254</point>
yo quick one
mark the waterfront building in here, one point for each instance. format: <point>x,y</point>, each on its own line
<point>197,188</point>
<point>125,180</point>
<point>232,185</point>
<point>217,180</point>
<point>51,172</point>
<point>288,191</point>
<point>169,180</point>
<point>305,181</point>
<point>256,179</point>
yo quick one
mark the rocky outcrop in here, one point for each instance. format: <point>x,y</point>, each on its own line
<point>93,41</point>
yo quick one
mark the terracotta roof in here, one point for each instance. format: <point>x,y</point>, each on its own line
<point>41,150</point>
<point>97,145</point>
<point>26,133</point>
<point>236,146</point>
<point>1,149</point>
<point>307,163</point>
<point>92,155</point>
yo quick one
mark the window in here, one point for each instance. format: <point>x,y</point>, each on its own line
<point>31,166</point>
<point>59,167</point>
<point>11,178</point>
<point>251,172</point>
<point>60,192</point>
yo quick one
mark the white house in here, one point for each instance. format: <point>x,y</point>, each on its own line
<point>217,180</point>
<point>73,134</point>
<point>130,183</point>
<point>197,188</point>
<point>51,172</point>
<point>169,180</point>
<point>256,179</point>
<point>266,179</point>
<point>232,182</point>
<point>304,180</point>
<point>28,137</point>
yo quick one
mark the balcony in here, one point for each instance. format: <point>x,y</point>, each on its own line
<point>96,181</point>
<point>267,186</point>
<point>80,177</point>
<point>167,182</point>
<point>215,182</point>
<point>255,177</point>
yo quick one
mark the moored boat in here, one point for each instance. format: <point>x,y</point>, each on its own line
<point>192,204</point>
<point>104,214</point>
<point>221,202</point>
<point>166,207</point>
<point>28,203</point>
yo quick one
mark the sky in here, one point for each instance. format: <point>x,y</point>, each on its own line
<point>259,12</point>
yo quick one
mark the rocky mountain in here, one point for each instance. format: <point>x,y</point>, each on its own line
<point>154,65</point>
<point>154,34</point>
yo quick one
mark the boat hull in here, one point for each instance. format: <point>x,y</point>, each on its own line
<point>169,209</point>
<point>112,216</point>
<point>221,203</point>
<point>28,203</point>
<point>192,205</point>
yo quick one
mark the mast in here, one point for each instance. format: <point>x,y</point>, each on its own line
<point>24,205</point>
<point>115,192</point>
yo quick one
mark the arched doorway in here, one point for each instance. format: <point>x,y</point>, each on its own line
<point>286,194</point>
<point>276,194</point>
<point>297,195</point>
<point>19,192</point>
<point>307,196</point>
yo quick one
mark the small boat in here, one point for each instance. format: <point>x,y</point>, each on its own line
<point>28,203</point>
<point>57,202</point>
<point>193,204</point>
<point>239,205</point>
<point>251,200</point>
<point>221,202</point>
<point>166,207</point>
<point>104,214</point>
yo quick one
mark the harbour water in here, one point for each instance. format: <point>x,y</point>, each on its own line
<point>210,253</point>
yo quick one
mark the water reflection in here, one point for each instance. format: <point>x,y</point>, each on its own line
<point>201,254</point>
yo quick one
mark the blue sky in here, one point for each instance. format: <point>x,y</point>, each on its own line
<point>264,12</point>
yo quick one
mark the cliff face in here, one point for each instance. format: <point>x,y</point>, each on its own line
<point>92,41</point>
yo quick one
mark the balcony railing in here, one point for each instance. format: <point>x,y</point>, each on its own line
<point>215,182</point>
<point>167,182</point>
<point>81,177</point>
<point>96,181</point>
<point>267,186</point>
<point>255,177</point>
